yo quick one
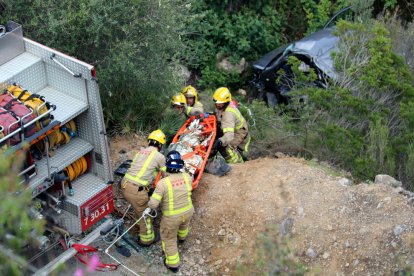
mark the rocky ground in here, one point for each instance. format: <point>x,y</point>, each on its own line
<point>333,226</point>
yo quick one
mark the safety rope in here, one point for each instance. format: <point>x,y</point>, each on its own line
<point>145,214</point>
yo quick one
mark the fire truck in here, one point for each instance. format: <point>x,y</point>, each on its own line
<point>50,112</point>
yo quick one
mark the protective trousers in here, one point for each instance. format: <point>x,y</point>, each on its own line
<point>238,150</point>
<point>139,201</point>
<point>171,228</point>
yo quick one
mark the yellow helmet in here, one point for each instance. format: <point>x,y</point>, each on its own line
<point>178,99</point>
<point>222,95</point>
<point>157,135</point>
<point>190,91</point>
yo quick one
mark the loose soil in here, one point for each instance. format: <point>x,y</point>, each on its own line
<point>333,229</point>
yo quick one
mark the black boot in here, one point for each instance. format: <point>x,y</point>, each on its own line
<point>157,237</point>
<point>140,243</point>
<point>172,269</point>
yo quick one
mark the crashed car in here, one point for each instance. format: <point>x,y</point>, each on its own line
<point>273,78</point>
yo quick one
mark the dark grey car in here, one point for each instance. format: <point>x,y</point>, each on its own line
<point>314,52</point>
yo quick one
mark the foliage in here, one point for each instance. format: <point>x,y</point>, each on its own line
<point>319,12</point>
<point>364,120</point>
<point>271,256</point>
<point>133,44</point>
<point>236,29</point>
<point>17,227</point>
<point>171,122</point>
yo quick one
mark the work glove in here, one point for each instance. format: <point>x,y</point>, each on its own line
<point>149,212</point>
<point>217,144</point>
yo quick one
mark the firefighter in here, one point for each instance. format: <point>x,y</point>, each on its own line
<point>194,107</point>
<point>138,180</point>
<point>234,142</point>
<point>179,103</point>
<point>173,193</point>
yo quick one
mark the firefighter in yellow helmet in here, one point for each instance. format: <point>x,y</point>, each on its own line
<point>138,181</point>
<point>194,107</point>
<point>173,194</point>
<point>235,140</point>
<point>179,103</point>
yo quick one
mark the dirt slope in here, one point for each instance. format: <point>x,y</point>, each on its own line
<point>334,229</point>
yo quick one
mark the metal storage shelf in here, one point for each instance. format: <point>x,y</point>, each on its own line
<point>85,186</point>
<point>64,156</point>
<point>17,65</point>
<point>67,107</point>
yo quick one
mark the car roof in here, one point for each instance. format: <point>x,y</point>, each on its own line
<point>318,47</point>
<point>265,60</point>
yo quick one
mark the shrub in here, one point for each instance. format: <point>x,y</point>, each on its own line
<point>363,121</point>
<point>271,256</point>
<point>17,228</point>
<point>236,29</point>
<point>133,44</point>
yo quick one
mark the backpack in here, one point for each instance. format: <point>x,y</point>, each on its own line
<point>36,102</point>
<point>25,114</point>
<point>9,122</point>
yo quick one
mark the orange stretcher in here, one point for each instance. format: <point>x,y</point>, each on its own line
<point>208,130</point>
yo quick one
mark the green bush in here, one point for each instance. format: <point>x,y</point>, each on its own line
<point>363,121</point>
<point>271,256</point>
<point>235,30</point>
<point>17,228</point>
<point>133,44</point>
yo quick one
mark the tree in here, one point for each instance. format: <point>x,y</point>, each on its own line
<point>18,228</point>
<point>135,46</point>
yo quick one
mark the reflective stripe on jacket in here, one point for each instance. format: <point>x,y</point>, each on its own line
<point>174,195</point>
<point>232,123</point>
<point>145,163</point>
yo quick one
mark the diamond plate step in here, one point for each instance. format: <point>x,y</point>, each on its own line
<point>64,156</point>
<point>18,64</point>
<point>67,107</point>
<point>83,187</point>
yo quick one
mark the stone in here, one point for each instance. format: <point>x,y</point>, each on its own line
<point>227,66</point>
<point>198,242</point>
<point>286,226</point>
<point>242,92</point>
<point>345,182</point>
<point>279,154</point>
<point>387,180</point>
<point>310,253</point>
<point>398,230</point>
<point>218,262</point>
<point>325,255</point>
<point>300,211</point>
<point>234,238</point>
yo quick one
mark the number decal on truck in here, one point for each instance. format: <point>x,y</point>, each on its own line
<point>96,208</point>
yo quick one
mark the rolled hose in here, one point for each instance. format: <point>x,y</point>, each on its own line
<point>77,168</point>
